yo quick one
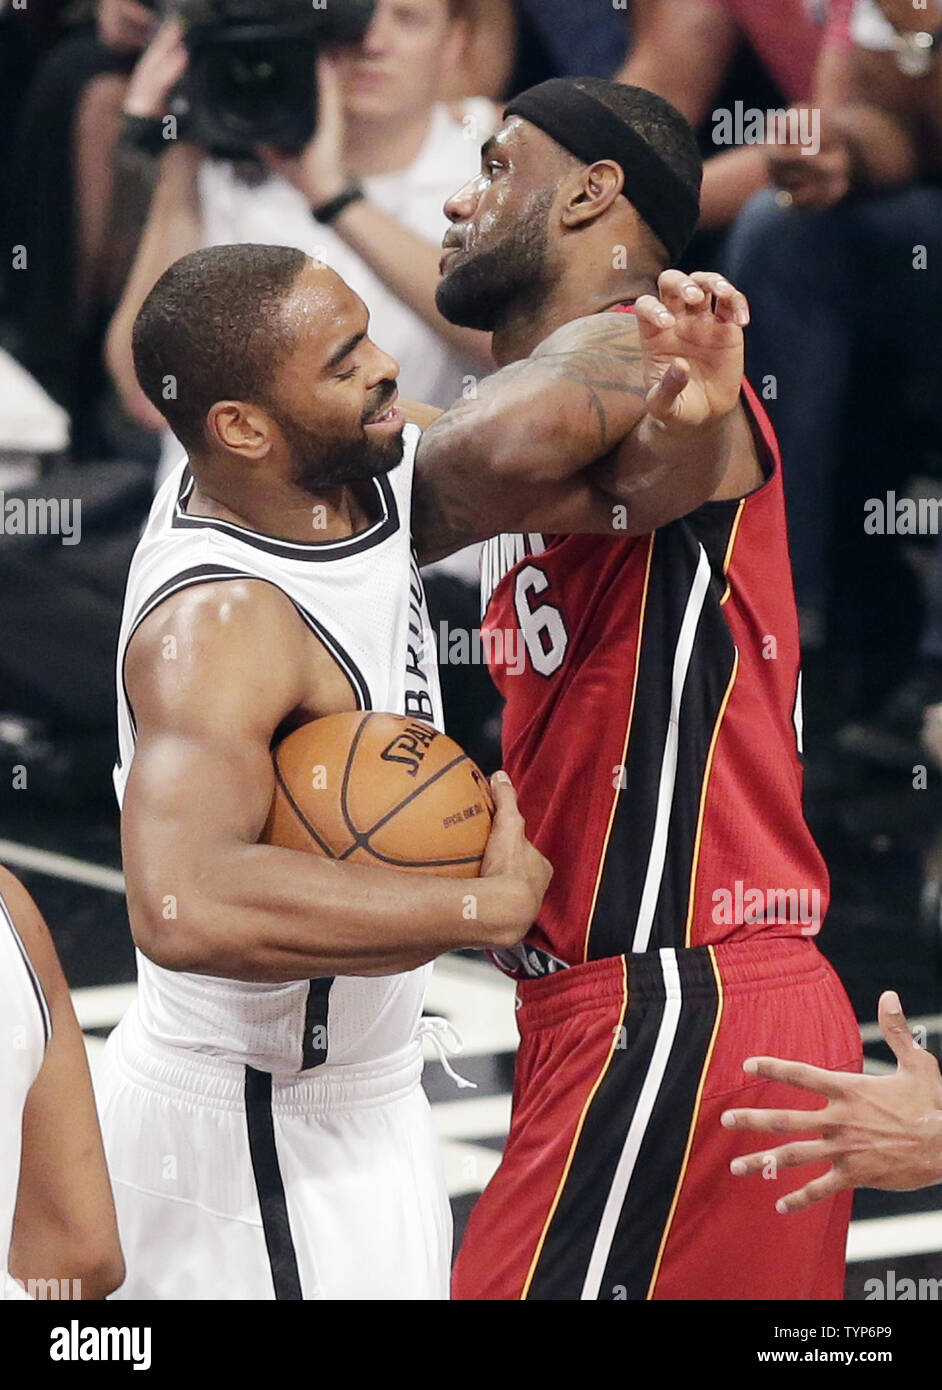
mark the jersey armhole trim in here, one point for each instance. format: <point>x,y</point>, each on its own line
<point>31,972</point>
<point>767,451</point>
<point>213,574</point>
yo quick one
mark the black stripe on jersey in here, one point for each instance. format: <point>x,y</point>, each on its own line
<point>686,659</point>
<point>31,972</point>
<point>315,1044</point>
<point>269,1186</point>
<point>385,526</point>
<point>212,574</point>
<point>604,1240</point>
<point>346,663</point>
<point>644,1214</point>
<point>314,1038</point>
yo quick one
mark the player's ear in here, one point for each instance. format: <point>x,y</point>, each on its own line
<point>241,428</point>
<point>593,191</point>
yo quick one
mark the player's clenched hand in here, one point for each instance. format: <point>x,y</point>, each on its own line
<point>876,1131</point>
<point>692,340</point>
<point>511,857</point>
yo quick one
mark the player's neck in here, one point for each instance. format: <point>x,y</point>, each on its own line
<point>385,146</point>
<point>569,299</point>
<point>284,512</point>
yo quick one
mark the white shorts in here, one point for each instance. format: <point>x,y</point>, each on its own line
<point>232,1184</point>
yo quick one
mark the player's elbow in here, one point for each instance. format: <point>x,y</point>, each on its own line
<point>172,947</point>
<point>169,937</point>
<point>102,1272</point>
<point>84,1257</point>
<point>185,924</point>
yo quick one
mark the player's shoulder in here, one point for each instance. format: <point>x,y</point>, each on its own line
<point>219,607</point>
<point>17,901</point>
<point>28,923</point>
<point>599,332</point>
<point>211,628</point>
<point>401,477</point>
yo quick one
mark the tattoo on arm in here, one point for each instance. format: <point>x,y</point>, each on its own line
<point>588,377</point>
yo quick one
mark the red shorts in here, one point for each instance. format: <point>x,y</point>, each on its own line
<point>615,1181</point>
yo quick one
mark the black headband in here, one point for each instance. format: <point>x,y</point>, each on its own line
<point>588,129</point>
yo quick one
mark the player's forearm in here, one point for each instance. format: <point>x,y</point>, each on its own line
<point>530,426</point>
<point>408,264</point>
<point>662,472</point>
<point>269,915</point>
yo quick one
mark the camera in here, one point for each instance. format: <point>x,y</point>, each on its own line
<point>252,75</point>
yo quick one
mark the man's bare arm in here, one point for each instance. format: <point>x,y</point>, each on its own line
<point>64,1226</point>
<point>203,895</point>
<point>636,412</point>
<point>491,463</point>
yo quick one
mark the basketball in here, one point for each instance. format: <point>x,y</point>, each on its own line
<point>380,790</point>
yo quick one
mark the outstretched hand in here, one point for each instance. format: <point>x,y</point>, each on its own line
<point>876,1131</point>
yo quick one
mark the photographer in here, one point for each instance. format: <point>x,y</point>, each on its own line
<point>365,195</point>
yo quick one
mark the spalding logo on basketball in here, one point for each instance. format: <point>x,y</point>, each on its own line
<point>383,790</point>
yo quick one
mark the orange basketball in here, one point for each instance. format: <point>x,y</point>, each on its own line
<point>383,790</point>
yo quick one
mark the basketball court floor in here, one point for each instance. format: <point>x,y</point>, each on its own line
<point>70,864</point>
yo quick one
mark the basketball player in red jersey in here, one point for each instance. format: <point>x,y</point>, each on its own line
<point>654,736</point>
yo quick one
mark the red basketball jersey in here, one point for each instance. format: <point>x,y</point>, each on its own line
<point>653,728</point>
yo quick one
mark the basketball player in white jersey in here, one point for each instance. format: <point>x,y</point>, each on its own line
<point>58,1237</point>
<point>265,1126</point>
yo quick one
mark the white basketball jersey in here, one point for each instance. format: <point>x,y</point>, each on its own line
<point>26,1029</point>
<point>363,598</point>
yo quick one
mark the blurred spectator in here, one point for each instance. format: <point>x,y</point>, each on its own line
<point>485,64</point>
<point>61,199</point>
<point>685,48</point>
<point>81,240</point>
<point>560,39</point>
<point>60,601</point>
<point>380,124</point>
<point>847,258</point>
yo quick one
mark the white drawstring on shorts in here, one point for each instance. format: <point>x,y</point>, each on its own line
<point>447,1042</point>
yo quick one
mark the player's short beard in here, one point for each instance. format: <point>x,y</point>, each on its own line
<point>323,463</point>
<point>490,287</point>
